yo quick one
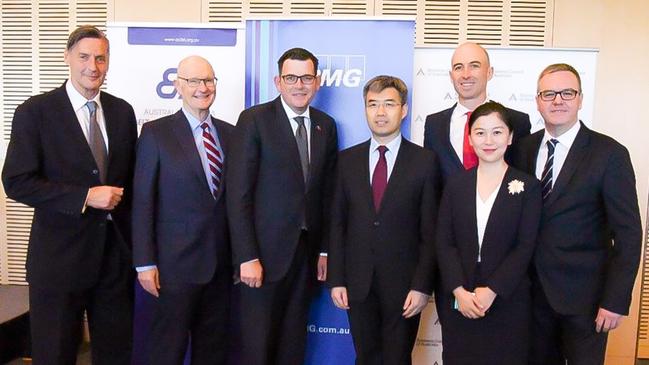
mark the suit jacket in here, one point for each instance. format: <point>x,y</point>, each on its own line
<point>589,244</point>
<point>397,241</point>
<point>177,223</point>
<point>50,167</point>
<point>436,138</point>
<point>268,200</point>
<point>508,242</point>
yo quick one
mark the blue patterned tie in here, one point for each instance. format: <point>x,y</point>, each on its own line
<point>546,177</point>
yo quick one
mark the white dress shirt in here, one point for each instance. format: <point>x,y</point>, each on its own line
<point>78,102</point>
<point>560,151</point>
<point>482,212</point>
<point>456,129</point>
<point>390,154</point>
<point>307,123</point>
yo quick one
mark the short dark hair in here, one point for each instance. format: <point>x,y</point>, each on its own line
<point>297,54</point>
<point>556,67</point>
<point>85,31</point>
<point>488,108</point>
<point>382,82</point>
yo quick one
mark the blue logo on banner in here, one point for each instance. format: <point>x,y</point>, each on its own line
<point>342,70</point>
<point>167,84</point>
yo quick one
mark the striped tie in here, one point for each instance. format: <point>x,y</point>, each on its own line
<point>214,158</point>
<point>546,177</point>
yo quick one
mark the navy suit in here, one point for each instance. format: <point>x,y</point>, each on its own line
<point>380,256</point>
<point>588,247</point>
<point>278,218</point>
<point>436,137</point>
<point>76,260</point>
<point>506,253</point>
<point>182,228</point>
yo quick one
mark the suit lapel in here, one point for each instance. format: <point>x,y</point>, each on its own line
<point>576,153</point>
<point>399,173</point>
<point>317,148</point>
<point>362,161</point>
<point>469,193</point>
<point>185,138</point>
<point>447,137</point>
<point>112,129</point>
<point>533,151</point>
<point>500,207</point>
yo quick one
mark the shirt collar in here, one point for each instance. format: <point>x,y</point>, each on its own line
<point>566,138</point>
<point>291,114</point>
<point>393,145</point>
<point>194,122</point>
<point>77,100</point>
<point>461,108</point>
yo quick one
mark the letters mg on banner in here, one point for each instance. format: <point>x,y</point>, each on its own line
<point>350,53</point>
<point>144,58</point>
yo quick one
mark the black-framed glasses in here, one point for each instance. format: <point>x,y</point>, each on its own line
<point>566,94</point>
<point>292,79</point>
<point>196,82</point>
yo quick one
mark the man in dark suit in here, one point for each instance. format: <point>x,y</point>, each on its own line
<point>382,230</point>
<point>180,233</point>
<point>280,186</point>
<point>589,245</point>
<point>446,132</point>
<point>71,157</point>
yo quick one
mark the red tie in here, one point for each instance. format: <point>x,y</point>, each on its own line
<point>469,158</point>
<point>214,158</point>
<point>380,178</point>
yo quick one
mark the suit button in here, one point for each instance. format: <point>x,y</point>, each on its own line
<point>95,172</point>
<point>377,223</point>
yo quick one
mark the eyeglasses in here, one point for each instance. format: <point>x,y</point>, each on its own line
<point>292,79</point>
<point>566,94</point>
<point>194,82</point>
<point>387,105</point>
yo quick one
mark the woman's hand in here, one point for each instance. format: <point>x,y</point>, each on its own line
<point>467,303</point>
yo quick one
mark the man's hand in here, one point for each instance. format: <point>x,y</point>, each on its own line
<point>607,320</point>
<point>485,297</point>
<point>322,268</point>
<point>150,281</point>
<point>339,296</point>
<point>104,197</point>
<point>467,303</point>
<point>252,273</point>
<point>414,304</point>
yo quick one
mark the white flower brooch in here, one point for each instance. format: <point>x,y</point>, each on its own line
<point>515,187</point>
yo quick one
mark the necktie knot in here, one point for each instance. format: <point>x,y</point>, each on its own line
<point>382,150</point>
<point>552,143</point>
<point>300,120</point>
<point>92,106</point>
<point>205,126</point>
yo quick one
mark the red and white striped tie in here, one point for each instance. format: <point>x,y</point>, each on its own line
<point>214,158</point>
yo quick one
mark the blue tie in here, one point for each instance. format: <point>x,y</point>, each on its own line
<point>546,177</point>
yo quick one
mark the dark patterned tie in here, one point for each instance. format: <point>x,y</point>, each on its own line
<point>302,146</point>
<point>214,158</point>
<point>380,178</point>
<point>96,141</point>
<point>546,176</point>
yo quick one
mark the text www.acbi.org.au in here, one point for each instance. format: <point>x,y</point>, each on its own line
<point>312,328</point>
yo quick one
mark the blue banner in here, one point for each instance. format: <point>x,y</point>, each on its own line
<point>350,52</point>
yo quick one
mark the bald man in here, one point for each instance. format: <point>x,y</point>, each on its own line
<point>445,131</point>
<point>180,236</point>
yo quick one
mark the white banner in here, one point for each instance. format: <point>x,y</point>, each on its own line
<point>516,71</point>
<point>144,58</point>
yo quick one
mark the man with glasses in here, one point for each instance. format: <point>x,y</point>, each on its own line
<point>589,244</point>
<point>382,231</point>
<point>447,132</point>
<point>180,233</point>
<point>280,185</point>
<point>71,157</point>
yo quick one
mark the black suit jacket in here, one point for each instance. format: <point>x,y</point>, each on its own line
<point>508,242</point>
<point>267,197</point>
<point>50,167</point>
<point>589,244</point>
<point>436,138</point>
<point>177,224</point>
<point>398,240</point>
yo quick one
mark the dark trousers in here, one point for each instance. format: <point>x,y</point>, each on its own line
<point>195,312</point>
<point>56,317</point>
<point>557,337</point>
<point>274,316</point>
<point>382,336</point>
